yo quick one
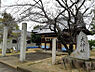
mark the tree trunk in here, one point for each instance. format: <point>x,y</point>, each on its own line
<point>70,48</point>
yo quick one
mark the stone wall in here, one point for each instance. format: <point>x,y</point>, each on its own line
<point>70,63</point>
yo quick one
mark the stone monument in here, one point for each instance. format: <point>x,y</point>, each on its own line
<point>83,50</point>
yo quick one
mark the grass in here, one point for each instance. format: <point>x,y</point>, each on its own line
<point>16,53</point>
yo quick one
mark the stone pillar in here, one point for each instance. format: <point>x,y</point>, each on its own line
<point>5,34</point>
<point>53,51</point>
<point>23,42</point>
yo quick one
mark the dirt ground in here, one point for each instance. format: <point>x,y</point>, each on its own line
<point>38,60</point>
<point>46,66</point>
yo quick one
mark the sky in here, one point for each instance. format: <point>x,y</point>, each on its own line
<point>30,24</point>
<point>4,3</point>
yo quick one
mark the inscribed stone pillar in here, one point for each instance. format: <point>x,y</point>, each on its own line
<point>23,42</point>
<point>53,50</point>
<point>82,51</point>
<point>5,34</point>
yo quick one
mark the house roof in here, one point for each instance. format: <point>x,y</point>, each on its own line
<point>46,30</point>
<point>19,31</point>
<point>42,30</point>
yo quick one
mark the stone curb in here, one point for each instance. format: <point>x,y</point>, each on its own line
<point>15,67</point>
<point>22,70</point>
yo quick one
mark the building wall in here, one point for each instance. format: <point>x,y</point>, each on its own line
<point>46,43</point>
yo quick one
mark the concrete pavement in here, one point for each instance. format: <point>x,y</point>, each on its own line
<point>5,68</point>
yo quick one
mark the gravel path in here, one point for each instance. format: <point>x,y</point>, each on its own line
<point>4,68</point>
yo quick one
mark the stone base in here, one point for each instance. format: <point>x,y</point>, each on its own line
<point>70,63</point>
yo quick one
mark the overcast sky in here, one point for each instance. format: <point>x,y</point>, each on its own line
<point>10,2</point>
<point>30,24</point>
<point>4,3</point>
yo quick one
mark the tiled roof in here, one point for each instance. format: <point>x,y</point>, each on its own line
<point>41,30</point>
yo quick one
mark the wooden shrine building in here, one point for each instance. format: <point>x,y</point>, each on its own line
<point>47,35</point>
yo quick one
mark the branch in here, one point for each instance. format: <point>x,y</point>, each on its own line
<point>81,4</point>
<point>44,10</point>
<point>85,10</point>
<point>61,4</point>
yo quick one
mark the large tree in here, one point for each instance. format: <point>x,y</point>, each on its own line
<point>9,21</point>
<point>92,44</point>
<point>92,26</point>
<point>58,14</point>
